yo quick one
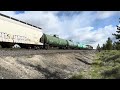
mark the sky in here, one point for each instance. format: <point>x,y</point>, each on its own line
<point>89,27</point>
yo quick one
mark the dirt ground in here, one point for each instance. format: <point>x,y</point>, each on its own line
<point>45,66</point>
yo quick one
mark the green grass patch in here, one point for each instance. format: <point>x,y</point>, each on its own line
<point>106,65</point>
<point>80,76</point>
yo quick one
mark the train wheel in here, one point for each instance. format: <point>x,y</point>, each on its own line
<point>35,47</point>
<point>29,47</point>
<point>46,47</point>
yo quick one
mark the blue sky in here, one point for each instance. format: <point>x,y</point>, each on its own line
<point>97,23</point>
<point>90,27</point>
<point>19,12</point>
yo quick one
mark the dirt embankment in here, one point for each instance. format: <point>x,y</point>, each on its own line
<point>45,66</point>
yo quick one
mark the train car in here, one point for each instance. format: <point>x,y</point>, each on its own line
<point>89,47</point>
<point>53,42</point>
<point>62,43</point>
<point>13,31</point>
<point>75,45</point>
<point>80,46</point>
<point>70,45</point>
<point>83,46</point>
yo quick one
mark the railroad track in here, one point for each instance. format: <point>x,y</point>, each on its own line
<point>24,52</point>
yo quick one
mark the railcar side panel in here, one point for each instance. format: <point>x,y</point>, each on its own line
<point>17,32</point>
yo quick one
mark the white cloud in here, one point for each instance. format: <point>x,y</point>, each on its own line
<point>101,35</point>
<point>76,27</point>
<point>106,14</point>
<point>10,13</point>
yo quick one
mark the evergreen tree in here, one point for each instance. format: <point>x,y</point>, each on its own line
<point>118,46</point>
<point>98,47</point>
<point>117,36</point>
<point>114,46</point>
<point>109,44</point>
<point>104,47</point>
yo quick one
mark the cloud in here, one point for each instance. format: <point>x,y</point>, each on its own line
<point>106,14</point>
<point>78,26</point>
<point>101,35</point>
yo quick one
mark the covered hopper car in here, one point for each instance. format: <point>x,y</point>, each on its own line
<point>13,31</point>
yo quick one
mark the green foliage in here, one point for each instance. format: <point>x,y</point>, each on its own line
<point>80,76</point>
<point>113,73</point>
<point>117,36</point>
<point>105,66</point>
<point>114,46</point>
<point>109,44</point>
<point>110,68</point>
<point>104,47</point>
<point>98,47</point>
<point>118,46</point>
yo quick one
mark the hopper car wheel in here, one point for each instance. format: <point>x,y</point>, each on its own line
<point>29,47</point>
<point>38,47</point>
<point>35,47</point>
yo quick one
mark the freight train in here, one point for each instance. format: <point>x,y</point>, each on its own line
<point>59,43</point>
<point>16,32</point>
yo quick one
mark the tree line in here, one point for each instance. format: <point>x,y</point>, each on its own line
<point>110,45</point>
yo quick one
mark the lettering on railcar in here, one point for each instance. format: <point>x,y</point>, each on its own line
<point>14,38</point>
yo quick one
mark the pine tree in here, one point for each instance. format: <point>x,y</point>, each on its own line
<point>104,47</point>
<point>114,46</point>
<point>98,47</point>
<point>109,44</point>
<point>117,36</point>
<point>118,46</point>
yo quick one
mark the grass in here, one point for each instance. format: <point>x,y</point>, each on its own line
<point>106,65</point>
<point>80,76</point>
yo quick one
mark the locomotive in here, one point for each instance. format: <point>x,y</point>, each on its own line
<point>14,31</point>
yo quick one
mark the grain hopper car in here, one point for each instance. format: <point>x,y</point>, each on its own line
<point>14,31</point>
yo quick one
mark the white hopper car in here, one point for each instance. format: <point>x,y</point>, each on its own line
<point>13,31</point>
